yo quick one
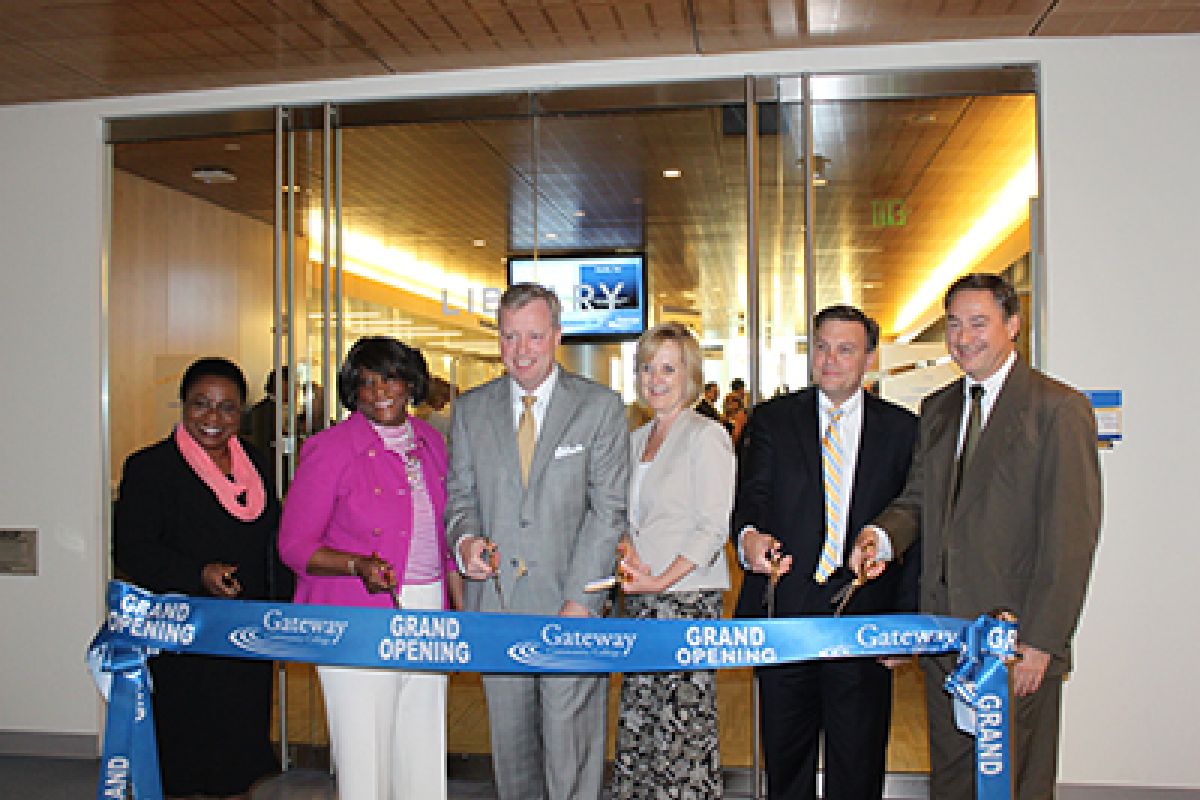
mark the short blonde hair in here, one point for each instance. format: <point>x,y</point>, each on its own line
<point>689,350</point>
<point>519,295</point>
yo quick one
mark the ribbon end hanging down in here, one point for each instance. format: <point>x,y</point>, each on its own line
<point>979,688</point>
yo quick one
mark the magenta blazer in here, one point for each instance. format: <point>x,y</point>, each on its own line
<point>351,494</point>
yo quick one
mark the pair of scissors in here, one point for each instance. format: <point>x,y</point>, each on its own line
<point>621,573</point>
<point>491,554</point>
<point>841,598</point>
<point>774,557</point>
<point>393,590</point>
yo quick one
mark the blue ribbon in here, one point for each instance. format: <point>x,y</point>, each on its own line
<point>140,622</point>
<point>980,682</point>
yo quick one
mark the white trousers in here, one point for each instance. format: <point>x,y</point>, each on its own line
<point>387,728</point>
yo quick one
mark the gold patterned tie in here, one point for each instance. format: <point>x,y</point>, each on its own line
<point>832,455</point>
<point>526,436</point>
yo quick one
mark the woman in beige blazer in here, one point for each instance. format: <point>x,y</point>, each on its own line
<point>681,484</point>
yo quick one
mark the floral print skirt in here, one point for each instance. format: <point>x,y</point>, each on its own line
<point>667,744</point>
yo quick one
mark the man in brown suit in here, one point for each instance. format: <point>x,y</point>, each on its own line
<point>1004,492</point>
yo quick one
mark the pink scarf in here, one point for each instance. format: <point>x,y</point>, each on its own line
<point>246,480</point>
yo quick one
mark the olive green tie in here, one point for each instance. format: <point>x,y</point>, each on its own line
<point>971,440</point>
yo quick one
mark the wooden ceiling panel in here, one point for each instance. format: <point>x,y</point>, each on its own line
<point>227,13</point>
<point>109,47</point>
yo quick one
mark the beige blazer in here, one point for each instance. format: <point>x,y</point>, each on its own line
<point>685,500</point>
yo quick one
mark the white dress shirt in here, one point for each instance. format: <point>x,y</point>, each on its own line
<point>542,393</point>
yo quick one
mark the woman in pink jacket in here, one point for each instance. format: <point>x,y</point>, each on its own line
<point>362,526</point>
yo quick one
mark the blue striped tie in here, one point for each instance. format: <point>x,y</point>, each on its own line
<point>832,455</point>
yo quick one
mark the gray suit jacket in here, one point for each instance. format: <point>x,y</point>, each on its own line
<point>1025,527</point>
<point>565,524</point>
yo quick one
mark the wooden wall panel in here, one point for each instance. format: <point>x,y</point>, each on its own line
<point>186,279</point>
<point>137,311</point>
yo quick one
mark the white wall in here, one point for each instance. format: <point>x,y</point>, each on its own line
<point>1121,179</point>
<point>50,470</point>
<point>1120,122</point>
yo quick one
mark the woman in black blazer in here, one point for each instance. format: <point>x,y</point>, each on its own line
<point>195,515</point>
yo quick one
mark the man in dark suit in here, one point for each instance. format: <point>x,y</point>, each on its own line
<point>1005,495</point>
<point>707,400</point>
<point>798,445</point>
<point>535,505</point>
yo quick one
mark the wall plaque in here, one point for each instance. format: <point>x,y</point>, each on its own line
<point>18,551</point>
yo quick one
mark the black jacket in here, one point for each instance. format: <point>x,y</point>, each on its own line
<point>168,524</point>
<point>780,492</point>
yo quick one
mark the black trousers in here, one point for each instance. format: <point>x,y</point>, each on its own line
<point>851,701</point>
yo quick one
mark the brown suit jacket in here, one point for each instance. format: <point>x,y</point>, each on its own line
<point>1025,527</point>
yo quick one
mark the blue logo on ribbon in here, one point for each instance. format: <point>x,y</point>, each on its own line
<point>282,634</point>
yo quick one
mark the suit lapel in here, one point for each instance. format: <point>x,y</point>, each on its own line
<point>808,435</point>
<point>942,454</point>
<point>1003,426</point>
<point>504,432</point>
<point>564,401</point>
<point>676,434</point>
<point>871,440</point>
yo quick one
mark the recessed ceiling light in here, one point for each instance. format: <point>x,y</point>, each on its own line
<point>213,175</point>
<point>581,213</point>
<point>552,235</point>
<point>478,243</point>
<point>672,173</point>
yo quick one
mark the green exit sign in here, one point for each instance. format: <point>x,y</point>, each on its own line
<point>888,214</point>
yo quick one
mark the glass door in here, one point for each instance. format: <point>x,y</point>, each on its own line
<point>893,185</point>
<point>217,249</point>
<point>918,178</point>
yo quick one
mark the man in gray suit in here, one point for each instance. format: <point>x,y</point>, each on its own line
<point>536,503</point>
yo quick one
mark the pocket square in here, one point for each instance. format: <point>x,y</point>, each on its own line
<point>564,450</point>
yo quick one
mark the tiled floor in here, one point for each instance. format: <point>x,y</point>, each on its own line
<point>48,778</point>
<point>75,779</point>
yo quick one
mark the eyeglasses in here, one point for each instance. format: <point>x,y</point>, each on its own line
<point>201,406</point>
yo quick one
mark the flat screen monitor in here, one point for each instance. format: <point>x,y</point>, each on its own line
<point>603,296</point>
